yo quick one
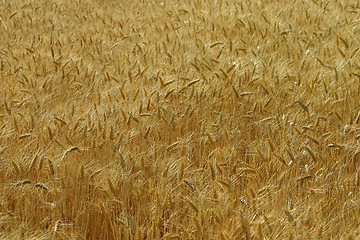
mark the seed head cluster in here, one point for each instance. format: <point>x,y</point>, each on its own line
<point>194,119</point>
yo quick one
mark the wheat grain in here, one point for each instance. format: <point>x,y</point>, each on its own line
<point>21,183</point>
<point>42,186</point>
<point>187,113</point>
<point>307,149</point>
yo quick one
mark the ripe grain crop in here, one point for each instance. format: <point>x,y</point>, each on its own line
<point>194,119</point>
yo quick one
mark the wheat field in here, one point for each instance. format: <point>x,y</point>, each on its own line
<point>194,119</point>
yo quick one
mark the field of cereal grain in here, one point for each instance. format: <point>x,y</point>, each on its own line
<point>194,119</point>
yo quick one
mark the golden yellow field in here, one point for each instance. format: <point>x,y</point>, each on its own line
<point>192,119</point>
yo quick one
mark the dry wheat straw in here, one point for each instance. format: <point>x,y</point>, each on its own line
<point>200,119</point>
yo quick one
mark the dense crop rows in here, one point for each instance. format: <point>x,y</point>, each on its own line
<point>193,119</point>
